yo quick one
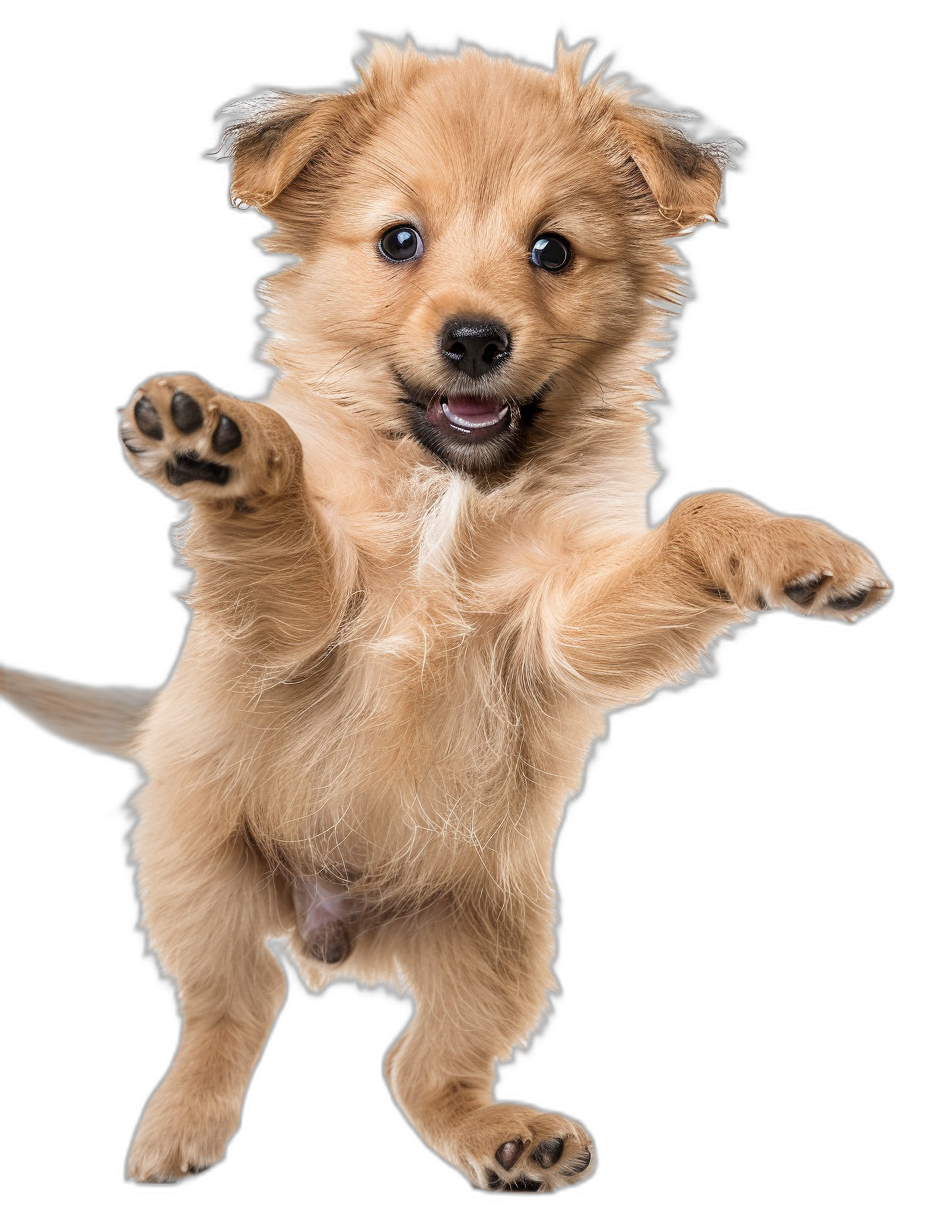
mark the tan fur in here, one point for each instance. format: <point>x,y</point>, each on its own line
<point>395,669</point>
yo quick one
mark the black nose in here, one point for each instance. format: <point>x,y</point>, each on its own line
<point>475,346</point>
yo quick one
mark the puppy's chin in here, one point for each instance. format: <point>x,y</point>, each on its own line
<point>477,435</point>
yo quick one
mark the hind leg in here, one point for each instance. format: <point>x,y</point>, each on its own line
<point>480,984</point>
<point>209,904</point>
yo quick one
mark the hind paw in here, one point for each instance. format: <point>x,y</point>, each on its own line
<point>197,443</point>
<point>514,1149</point>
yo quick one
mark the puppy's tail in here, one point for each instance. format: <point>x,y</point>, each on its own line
<point>104,719</point>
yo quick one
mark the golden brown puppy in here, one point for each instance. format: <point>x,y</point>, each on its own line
<point>423,575</point>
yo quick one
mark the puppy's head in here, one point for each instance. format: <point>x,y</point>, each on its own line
<point>478,240</point>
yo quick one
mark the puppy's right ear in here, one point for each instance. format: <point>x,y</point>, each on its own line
<point>272,137</point>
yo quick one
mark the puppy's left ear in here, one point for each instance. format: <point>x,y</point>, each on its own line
<point>685,179</point>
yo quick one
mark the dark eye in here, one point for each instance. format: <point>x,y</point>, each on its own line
<point>551,252</point>
<point>401,244</point>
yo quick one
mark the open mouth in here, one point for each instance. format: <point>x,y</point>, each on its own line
<point>478,418</point>
<point>472,433</point>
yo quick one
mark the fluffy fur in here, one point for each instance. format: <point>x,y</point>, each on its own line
<point>402,647</point>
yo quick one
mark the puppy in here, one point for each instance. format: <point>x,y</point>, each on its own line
<point>423,574</point>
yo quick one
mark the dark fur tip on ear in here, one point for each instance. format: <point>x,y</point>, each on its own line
<point>724,150</point>
<point>724,153</point>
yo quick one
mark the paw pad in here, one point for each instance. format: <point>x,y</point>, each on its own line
<point>579,1164</point>
<point>227,435</point>
<point>185,467</point>
<point>804,590</point>
<point>185,411</point>
<point>185,415</point>
<point>147,419</point>
<point>509,1152</point>
<point>846,603</point>
<point>547,1153</point>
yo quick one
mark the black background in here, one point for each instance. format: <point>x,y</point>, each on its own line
<point>733,876</point>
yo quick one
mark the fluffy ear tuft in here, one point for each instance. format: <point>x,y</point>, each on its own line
<point>272,137</point>
<point>685,178</point>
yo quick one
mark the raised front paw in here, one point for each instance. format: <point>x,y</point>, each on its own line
<point>512,1148</point>
<point>198,443</point>
<point>819,573</point>
<point>751,557</point>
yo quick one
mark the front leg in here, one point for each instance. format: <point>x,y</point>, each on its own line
<point>267,575</point>
<point>640,615</point>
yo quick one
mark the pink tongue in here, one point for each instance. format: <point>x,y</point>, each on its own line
<point>477,411</point>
